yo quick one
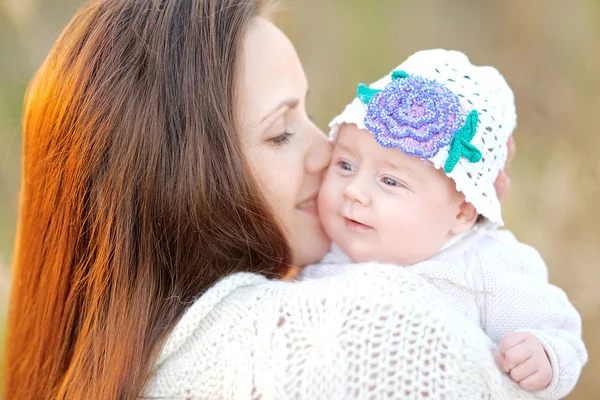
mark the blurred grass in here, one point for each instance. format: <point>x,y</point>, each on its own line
<point>547,50</point>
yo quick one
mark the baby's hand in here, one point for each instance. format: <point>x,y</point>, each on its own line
<point>522,356</point>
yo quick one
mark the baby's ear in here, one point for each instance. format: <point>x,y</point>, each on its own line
<point>465,219</point>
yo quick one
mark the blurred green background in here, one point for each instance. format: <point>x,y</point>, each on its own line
<point>548,50</point>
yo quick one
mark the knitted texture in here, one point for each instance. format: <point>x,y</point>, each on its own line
<point>369,332</point>
<point>501,285</point>
<point>479,89</point>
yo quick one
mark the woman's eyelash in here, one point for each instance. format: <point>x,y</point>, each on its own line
<point>282,139</point>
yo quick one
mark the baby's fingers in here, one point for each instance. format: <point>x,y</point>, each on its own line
<point>524,370</point>
<point>538,381</point>
<point>517,355</point>
<point>500,362</point>
<point>512,150</point>
<point>511,340</point>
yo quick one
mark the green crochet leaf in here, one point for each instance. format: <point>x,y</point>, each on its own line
<point>365,93</point>
<point>399,74</point>
<point>461,144</point>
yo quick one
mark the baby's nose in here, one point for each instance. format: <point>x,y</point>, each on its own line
<point>354,192</point>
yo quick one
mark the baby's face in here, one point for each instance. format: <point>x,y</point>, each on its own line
<point>382,205</point>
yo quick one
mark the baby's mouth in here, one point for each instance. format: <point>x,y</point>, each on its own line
<point>356,226</point>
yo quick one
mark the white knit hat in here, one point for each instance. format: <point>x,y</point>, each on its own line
<point>440,107</point>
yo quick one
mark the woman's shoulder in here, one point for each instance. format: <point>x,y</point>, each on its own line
<point>350,285</point>
<point>347,287</point>
<point>369,329</point>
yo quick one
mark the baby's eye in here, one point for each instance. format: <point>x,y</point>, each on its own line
<point>390,182</point>
<point>346,166</point>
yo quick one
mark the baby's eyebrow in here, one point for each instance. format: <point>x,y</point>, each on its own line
<point>346,149</point>
<point>401,168</point>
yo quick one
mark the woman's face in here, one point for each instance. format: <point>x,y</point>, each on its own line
<point>287,152</point>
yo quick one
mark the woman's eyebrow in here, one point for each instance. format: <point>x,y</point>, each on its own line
<point>287,103</point>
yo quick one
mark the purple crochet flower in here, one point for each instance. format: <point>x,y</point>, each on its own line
<point>416,115</point>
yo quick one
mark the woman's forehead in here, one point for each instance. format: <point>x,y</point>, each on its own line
<point>271,73</point>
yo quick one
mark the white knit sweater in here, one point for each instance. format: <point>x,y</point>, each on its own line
<point>501,285</point>
<point>369,332</point>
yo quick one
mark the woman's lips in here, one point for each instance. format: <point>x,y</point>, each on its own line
<point>309,205</point>
<point>356,226</point>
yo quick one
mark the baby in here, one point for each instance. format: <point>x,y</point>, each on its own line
<point>411,183</point>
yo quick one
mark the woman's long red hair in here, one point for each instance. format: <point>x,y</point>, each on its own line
<point>136,194</point>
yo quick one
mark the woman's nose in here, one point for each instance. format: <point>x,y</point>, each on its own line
<point>319,152</point>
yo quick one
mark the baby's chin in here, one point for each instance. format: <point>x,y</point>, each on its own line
<point>363,252</point>
<point>358,256</point>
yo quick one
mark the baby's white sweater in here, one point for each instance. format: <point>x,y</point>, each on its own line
<point>370,332</point>
<point>501,285</point>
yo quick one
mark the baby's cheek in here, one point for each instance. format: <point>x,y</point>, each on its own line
<point>401,225</point>
<point>409,242</point>
<point>326,205</point>
<point>395,244</point>
<point>333,223</point>
<point>329,194</point>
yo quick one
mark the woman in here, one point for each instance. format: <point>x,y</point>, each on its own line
<point>169,171</point>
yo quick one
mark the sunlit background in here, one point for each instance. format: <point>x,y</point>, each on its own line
<point>548,50</point>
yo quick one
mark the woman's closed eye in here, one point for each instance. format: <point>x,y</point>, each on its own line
<point>281,139</point>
